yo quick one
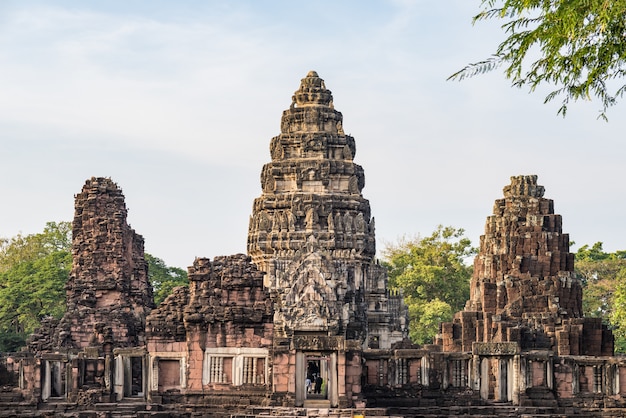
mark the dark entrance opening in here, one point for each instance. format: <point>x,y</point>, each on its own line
<point>316,386</point>
<point>133,377</point>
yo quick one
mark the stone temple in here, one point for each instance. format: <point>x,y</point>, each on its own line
<point>304,324</point>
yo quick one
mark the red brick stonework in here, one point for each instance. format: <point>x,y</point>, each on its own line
<point>524,288</point>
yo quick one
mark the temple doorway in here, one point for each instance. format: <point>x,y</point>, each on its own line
<point>316,380</point>
<point>129,377</point>
<point>133,377</point>
<point>317,377</point>
<point>54,376</point>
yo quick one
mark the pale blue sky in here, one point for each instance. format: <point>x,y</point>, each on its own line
<point>177,103</point>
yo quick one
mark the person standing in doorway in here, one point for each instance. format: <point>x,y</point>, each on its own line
<point>318,384</point>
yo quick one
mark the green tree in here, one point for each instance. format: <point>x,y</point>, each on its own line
<point>433,276</point>
<point>575,46</point>
<point>603,276</point>
<point>598,271</point>
<point>164,278</point>
<point>617,315</point>
<point>33,273</point>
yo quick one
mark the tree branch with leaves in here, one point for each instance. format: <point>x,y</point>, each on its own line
<point>576,46</point>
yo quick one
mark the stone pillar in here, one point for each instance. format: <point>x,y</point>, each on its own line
<point>484,378</point>
<point>108,373</point>
<point>510,378</point>
<point>119,378</point>
<point>549,373</point>
<point>425,370</point>
<point>446,373</point>
<point>517,377</point>
<point>523,373</point>
<point>333,394</point>
<point>183,373</point>
<point>474,378</point>
<point>59,382</point>
<point>299,378</point>
<point>575,379</point>
<point>238,367</point>
<point>342,368</point>
<point>46,388</point>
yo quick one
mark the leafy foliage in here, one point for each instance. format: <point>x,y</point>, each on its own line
<point>604,281</point>
<point>618,314</point>
<point>433,276</point>
<point>33,272</point>
<point>164,278</point>
<point>578,46</point>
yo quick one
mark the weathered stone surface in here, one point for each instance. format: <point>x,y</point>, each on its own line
<point>524,288</point>
<point>312,232</point>
<point>108,292</point>
<point>242,338</point>
<point>167,320</point>
<point>225,296</point>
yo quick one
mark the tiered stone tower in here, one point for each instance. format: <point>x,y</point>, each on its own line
<point>108,293</point>
<point>524,288</point>
<point>311,230</point>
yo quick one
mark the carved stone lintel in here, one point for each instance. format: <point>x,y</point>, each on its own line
<point>318,342</point>
<point>495,349</point>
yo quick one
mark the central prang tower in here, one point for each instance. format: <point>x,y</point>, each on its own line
<point>311,230</point>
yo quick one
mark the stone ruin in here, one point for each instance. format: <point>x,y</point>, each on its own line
<point>525,308</point>
<point>312,232</point>
<point>311,302</point>
<point>524,288</point>
<point>108,293</point>
<point>108,298</point>
<point>220,328</point>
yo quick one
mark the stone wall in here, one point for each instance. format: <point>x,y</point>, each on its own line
<point>218,332</point>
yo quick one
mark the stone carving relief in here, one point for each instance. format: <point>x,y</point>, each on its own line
<point>338,222</point>
<point>315,144</point>
<point>291,220</point>
<point>276,222</point>
<point>311,219</point>
<point>347,153</point>
<point>494,349</point>
<point>311,303</point>
<point>276,149</point>
<point>264,222</point>
<point>347,223</point>
<point>359,223</point>
<point>353,185</point>
<point>267,181</point>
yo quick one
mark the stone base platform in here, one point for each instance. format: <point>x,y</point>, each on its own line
<point>143,410</point>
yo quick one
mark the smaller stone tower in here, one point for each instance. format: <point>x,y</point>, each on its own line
<point>524,288</point>
<point>108,293</point>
